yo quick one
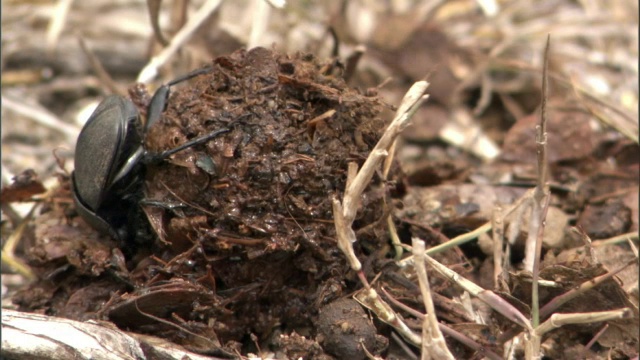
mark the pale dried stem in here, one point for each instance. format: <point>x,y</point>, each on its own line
<point>521,203</point>
<point>541,135</point>
<point>410,104</point>
<point>532,235</point>
<point>558,320</point>
<point>486,296</point>
<point>261,12</point>
<point>560,300</point>
<point>632,236</point>
<point>433,343</point>
<point>278,4</point>
<point>458,240</point>
<point>462,338</point>
<point>370,299</point>
<point>395,238</point>
<point>344,213</point>
<point>40,115</point>
<point>56,25</point>
<point>500,247</point>
<point>541,187</point>
<point>539,209</point>
<point>8,250</point>
<point>360,182</point>
<point>346,236</point>
<point>541,196</point>
<point>393,232</point>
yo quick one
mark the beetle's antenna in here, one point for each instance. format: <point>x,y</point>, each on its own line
<point>190,75</point>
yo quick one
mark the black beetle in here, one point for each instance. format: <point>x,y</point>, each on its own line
<point>111,158</point>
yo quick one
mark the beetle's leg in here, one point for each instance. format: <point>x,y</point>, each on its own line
<point>163,204</point>
<point>156,158</point>
<point>128,166</point>
<point>158,102</point>
<point>174,207</point>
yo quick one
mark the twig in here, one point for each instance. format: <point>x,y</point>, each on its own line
<point>56,25</point>
<point>344,213</point>
<point>558,320</point>
<point>540,197</point>
<point>433,344</point>
<point>352,62</point>
<point>261,12</point>
<point>8,250</point>
<point>40,115</point>
<point>154,13</point>
<point>501,248</point>
<point>460,239</point>
<point>462,338</point>
<point>540,206</point>
<point>489,297</point>
<point>559,300</point>
<point>593,340</point>
<point>100,71</point>
<point>541,141</point>
<point>632,236</point>
<point>346,236</point>
<point>151,70</point>
<point>517,208</point>
<point>410,104</point>
<point>403,346</point>
<point>372,301</point>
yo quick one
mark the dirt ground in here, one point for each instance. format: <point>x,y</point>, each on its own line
<point>519,176</point>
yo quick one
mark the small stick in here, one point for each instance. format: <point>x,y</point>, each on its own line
<point>541,196</point>
<point>9,247</point>
<point>203,13</point>
<point>462,338</point>
<point>500,247</point>
<point>558,320</point>
<point>559,300</point>
<point>632,236</point>
<point>344,213</point>
<point>370,299</point>
<point>489,297</point>
<point>40,115</point>
<point>433,343</point>
<point>56,25</point>
<point>154,12</point>
<point>103,75</point>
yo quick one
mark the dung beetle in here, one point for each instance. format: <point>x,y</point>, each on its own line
<point>110,161</point>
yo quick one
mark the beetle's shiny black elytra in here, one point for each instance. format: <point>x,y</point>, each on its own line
<point>110,161</point>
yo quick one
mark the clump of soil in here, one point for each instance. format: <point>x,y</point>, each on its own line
<point>246,240</point>
<point>256,201</point>
<point>266,185</point>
